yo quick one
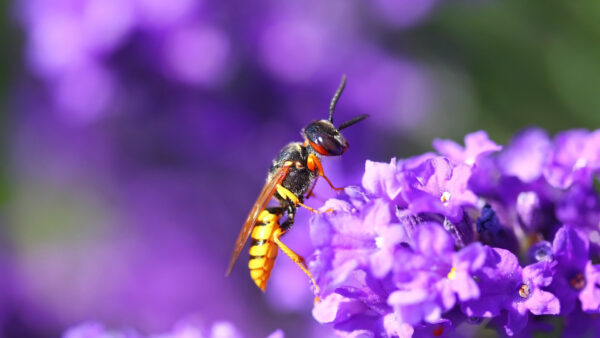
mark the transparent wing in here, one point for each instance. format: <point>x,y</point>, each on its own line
<point>261,203</point>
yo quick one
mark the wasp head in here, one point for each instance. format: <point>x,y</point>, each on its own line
<point>323,136</point>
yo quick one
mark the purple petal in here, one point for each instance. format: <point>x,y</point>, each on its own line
<point>590,295</point>
<point>277,334</point>
<point>465,286</point>
<point>571,247</point>
<point>394,327</point>
<point>507,264</point>
<point>432,240</point>
<point>407,297</point>
<point>542,303</point>
<point>86,330</point>
<point>516,322</point>
<point>525,156</point>
<point>381,262</point>
<point>539,274</point>
<point>470,258</point>
<point>476,144</point>
<point>220,330</point>
<point>574,158</point>
<point>450,149</point>
<point>528,207</point>
<point>335,306</point>
<point>380,179</point>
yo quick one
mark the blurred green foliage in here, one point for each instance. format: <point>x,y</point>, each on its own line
<point>9,62</point>
<point>530,62</point>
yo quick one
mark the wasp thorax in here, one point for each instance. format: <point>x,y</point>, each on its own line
<point>325,139</point>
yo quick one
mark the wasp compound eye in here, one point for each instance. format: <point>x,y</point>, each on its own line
<point>325,138</point>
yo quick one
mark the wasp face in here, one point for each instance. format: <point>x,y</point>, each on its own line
<point>325,138</point>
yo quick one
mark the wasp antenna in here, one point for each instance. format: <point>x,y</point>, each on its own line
<point>353,121</point>
<point>336,97</point>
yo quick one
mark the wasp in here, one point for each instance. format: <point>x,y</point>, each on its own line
<point>291,179</point>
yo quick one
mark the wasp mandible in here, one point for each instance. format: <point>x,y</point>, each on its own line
<point>291,178</point>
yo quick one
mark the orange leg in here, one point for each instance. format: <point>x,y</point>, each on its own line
<point>296,258</point>
<point>313,163</point>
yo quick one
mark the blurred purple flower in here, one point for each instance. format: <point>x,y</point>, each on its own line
<point>403,13</point>
<point>84,93</point>
<point>399,93</point>
<point>157,14</point>
<point>293,48</point>
<point>197,55</point>
<point>183,329</point>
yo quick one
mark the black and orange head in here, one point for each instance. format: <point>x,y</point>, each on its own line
<point>323,136</point>
<point>325,139</point>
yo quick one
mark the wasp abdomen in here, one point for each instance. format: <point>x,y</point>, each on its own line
<point>263,250</point>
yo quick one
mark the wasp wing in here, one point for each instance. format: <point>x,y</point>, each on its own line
<point>261,203</point>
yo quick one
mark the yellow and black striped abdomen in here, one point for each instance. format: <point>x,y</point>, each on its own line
<point>263,249</point>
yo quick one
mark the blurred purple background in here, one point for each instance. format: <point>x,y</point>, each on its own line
<point>140,133</point>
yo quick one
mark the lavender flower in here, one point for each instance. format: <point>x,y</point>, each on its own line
<point>574,271</point>
<point>391,261</point>
<point>477,145</point>
<point>574,159</point>
<point>519,291</point>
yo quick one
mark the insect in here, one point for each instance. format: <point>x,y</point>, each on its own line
<point>291,178</point>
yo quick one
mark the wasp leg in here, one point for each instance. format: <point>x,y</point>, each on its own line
<point>286,194</point>
<point>291,214</point>
<point>313,163</point>
<point>299,260</point>
<point>312,187</point>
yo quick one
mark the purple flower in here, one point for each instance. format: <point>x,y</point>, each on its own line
<point>528,208</point>
<point>346,238</point>
<point>590,295</point>
<point>403,13</point>
<point>526,155</point>
<point>437,186</point>
<point>432,276</point>
<point>579,206</point>
<point>394,256</point>
<point>519,291</point>
<point>87,330</point>
<point>574,272</point>
<point>575,158</point>
<point>477,145</point>
<point>383,179</point>
<point>370,261</point>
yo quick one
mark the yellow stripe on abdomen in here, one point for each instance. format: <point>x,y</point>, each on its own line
<point>263,250</point>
